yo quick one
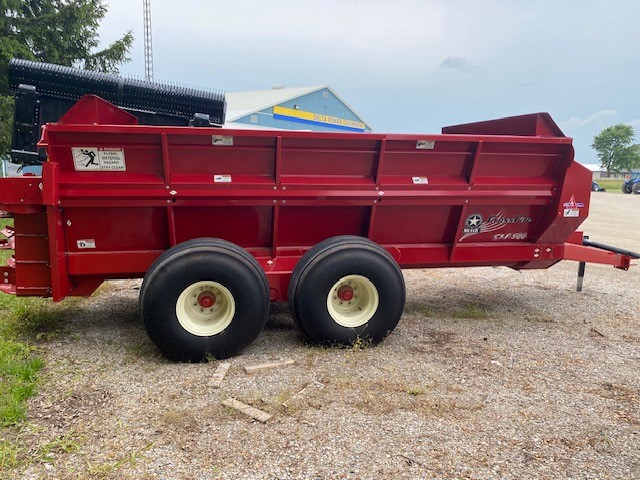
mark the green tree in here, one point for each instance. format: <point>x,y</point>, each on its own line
<point>54,31</point>
<point>6,119</point>
<point>616,149</point>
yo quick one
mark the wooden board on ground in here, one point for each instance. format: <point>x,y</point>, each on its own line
<point>252,412</point>
<point>219,374</point>
<point>267,366</point>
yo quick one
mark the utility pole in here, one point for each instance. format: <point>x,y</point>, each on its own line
<point>148,50</point>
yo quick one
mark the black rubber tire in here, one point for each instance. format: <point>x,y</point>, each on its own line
<point>321,267</point>
<point>199,260</point>
<point>626,187</point>
<point>313,252</point>
<point>636,188</point>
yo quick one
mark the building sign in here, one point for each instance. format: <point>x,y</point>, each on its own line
<point>311,118</point>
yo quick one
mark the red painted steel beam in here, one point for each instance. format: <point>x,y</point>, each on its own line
<point>111,264</point>
<point>582,253</point>
<point>20,194</point>
<point>99,195</point>
<point>134,263</point>
<point>182,131</point>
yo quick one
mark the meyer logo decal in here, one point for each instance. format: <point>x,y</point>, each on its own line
<point>475,224</point>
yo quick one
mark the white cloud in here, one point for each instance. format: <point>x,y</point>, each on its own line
<point>576,123</point>
<point>390,60</point>
<point>459,64</point>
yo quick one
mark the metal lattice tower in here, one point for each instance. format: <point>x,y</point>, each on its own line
<point>148,50</point>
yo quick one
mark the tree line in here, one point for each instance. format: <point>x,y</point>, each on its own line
<point>616,148</point>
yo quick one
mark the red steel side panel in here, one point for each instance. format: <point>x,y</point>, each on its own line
<point>117,196</point>
<point>93,109</point>
<point>535,124</point>
<point>33,272</point>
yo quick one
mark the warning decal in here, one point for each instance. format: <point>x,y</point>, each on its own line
<point>98,159</point>
<point>221,140</point>
<point>425,145</point>
<point>87,243</point>
<point>222,178</point>
<point>572,203</point>
<point>420,180</point>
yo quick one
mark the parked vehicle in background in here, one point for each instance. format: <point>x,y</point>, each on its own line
<point>632,184</point>
<point>597,188</point>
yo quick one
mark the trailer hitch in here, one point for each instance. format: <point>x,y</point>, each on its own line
<point>610,248</point>
<point>588,243</point>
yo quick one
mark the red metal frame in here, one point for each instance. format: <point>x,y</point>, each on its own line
<point>455,199</point>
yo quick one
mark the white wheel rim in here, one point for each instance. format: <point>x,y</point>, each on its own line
<point>352,301</point>
<point>198,315</point>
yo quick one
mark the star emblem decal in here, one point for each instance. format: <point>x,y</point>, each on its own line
<point>474,220</point>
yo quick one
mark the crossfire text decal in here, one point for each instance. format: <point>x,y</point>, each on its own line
<point>475,224</point>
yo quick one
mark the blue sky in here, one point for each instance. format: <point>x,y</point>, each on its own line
<point>408,66</point>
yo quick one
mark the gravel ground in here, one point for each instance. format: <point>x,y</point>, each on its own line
<point>492,373</point>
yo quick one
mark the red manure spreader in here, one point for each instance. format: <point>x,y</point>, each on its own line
<point>221,222</point>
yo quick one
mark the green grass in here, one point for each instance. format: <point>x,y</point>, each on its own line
<point>611,184</point>
<point>415,391</point>
<point>18,370</point>
<point>464,310</point>
<point>108,469</point>
<point>67,443</point>
<point>23,322</point>
<point>470,310</point>
<point>35,319</point>
<point>13,455</point>
<point>9,455</point>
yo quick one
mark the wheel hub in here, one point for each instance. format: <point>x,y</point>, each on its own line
<point>206,299</point>
<point>205,308</point>
<point>345,293</point>
<point>352,301</point>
